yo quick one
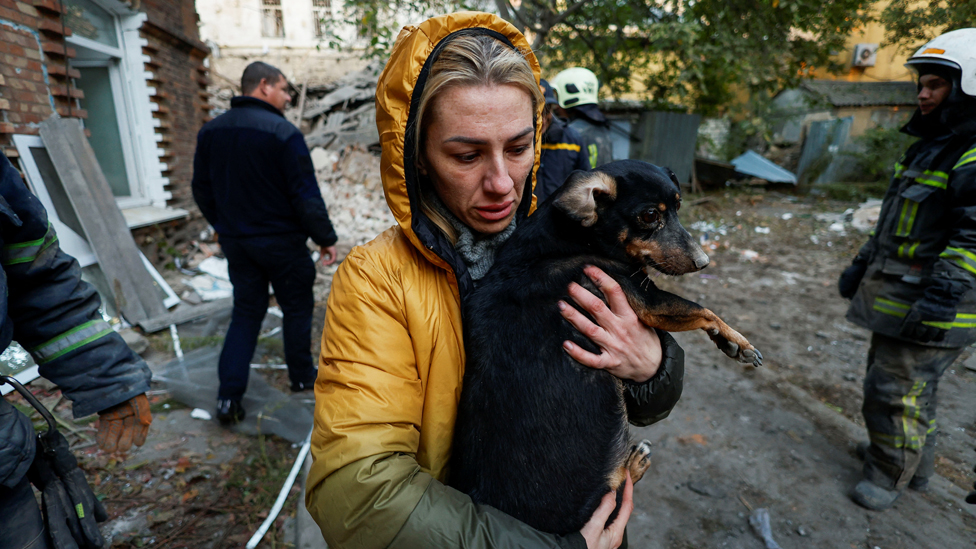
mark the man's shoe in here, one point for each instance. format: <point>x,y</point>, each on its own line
<point>299,386</point>
<point>229,411</point>
<point>919,484</point>
<point>871,496</point>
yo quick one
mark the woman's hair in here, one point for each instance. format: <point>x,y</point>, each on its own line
<point>469,60</point>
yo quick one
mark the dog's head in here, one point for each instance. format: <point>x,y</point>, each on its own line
<point>631,208</point>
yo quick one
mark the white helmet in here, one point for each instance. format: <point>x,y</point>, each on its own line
<point>576,86</point>
<point>955,49</point>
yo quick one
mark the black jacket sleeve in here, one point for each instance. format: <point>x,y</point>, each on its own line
<point>652,401</point>
<point>55,315</point>
<point>202,186</point>
<point>303,191</point>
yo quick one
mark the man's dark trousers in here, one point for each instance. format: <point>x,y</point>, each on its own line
<point>253,262</point>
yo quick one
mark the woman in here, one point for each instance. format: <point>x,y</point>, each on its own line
<point>457,112</point>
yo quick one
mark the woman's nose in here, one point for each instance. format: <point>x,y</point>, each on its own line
<point>497,179</point>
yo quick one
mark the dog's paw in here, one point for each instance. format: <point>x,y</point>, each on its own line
<point>730,348</point>
<point>639,460</point>
<point>751,356</point>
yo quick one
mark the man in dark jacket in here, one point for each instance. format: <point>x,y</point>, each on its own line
<point>576,89</point>
<point>54,315</point>
<point>563,150</point>
<point>254,181</point>
<point>914,283</point>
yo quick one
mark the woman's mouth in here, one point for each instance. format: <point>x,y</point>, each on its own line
<point>496,212</point>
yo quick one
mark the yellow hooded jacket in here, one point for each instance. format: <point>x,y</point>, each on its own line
<point>392,355</point>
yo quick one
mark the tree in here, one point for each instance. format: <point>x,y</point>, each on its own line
<point>910,24</point>
<point>691,55</point>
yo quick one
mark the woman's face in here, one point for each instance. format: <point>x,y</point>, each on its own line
<point>479,152</point>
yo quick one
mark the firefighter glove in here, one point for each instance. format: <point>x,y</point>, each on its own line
<point>123,425</point>
<point>928,320</point>
<point>850,279</point>
<point>71,510</point>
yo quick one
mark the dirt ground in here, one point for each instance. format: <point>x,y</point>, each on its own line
<point>779,438</point>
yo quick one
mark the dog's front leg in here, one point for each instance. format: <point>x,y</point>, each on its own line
<point>664,310</point>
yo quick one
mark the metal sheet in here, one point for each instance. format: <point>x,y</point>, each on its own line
<point>668,139</point>
<point>752,163</point>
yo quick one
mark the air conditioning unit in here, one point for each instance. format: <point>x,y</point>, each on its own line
<point>865,55</point>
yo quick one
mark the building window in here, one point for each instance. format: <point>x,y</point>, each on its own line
<point>322,15</point>
<point>272,20</point>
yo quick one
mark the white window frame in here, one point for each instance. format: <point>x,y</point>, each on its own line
<point>134,108</point>
<point>318,14</point>
<point>280,8</point>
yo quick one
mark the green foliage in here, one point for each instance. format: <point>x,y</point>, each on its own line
<point>853,192</point>
<point>909,23</point>
<point>876,152</point>
<point>691,55</point>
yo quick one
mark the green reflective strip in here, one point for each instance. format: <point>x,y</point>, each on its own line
<point>910,251</point>
<point>970,156</point>
<point>899,169</point>
<point>890,307</point>
<point>931,427</point>
<point>909,418</point>
<point>593,154</point>
<point>26,252</point>
<point>80,510</point>
<point>938,180</point>
<point>965,258</point>
<point>69,341</point>
<point>908,211</point>
<point>882,439</point>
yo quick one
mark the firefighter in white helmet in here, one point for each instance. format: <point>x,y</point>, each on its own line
<point>914,283</point>
<point>576,90</point>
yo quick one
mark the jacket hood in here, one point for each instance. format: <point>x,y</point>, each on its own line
<point>399,85</point>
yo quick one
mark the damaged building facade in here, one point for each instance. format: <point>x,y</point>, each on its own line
<point>132,71</point>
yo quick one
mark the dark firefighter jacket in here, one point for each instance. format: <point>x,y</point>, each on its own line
<point>393,358</point>
<point>253,176</point>
<point>594,128</point>
<point>563,152</point>
<point>53,314</point>
<point>926,235</point>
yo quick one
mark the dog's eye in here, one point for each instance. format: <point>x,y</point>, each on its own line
<point>677,207</point>
<point>650,216</point>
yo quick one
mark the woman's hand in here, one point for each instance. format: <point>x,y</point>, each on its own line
<point>610,538</point>
<point>629,349</point>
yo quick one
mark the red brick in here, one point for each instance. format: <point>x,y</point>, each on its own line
<point>47,5</point>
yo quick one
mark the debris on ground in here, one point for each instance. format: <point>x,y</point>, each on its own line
<point>342,113</point>
<point>759,520</point>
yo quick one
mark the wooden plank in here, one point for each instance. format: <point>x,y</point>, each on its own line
<point>102,221</point>
<point>185,313</point>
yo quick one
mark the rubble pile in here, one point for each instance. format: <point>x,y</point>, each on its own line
<point>340,113</point>
<point>353,192</point>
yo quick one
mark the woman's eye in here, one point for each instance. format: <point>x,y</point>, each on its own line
<point>467,157</point>
<point>650,217</point>
<point>519,150</point>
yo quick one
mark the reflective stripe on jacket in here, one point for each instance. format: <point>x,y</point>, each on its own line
<point>926,231</point>
<point>53,314</point>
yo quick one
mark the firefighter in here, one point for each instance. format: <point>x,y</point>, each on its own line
<point>914,283</point>
<point>563,150</point>
<point>54,315</point>
<point>576,89</point>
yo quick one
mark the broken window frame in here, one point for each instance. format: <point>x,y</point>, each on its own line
<point>272,14</point>
<point>322,16</point>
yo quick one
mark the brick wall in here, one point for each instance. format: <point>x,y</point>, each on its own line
<point>33,72</point>
<point>180,79</point>
<point>35,79</point>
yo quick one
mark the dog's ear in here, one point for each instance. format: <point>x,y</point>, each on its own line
<point>578,199</point>
<point>673,177</point>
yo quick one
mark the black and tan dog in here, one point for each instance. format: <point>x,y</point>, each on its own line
<point>538,435</point>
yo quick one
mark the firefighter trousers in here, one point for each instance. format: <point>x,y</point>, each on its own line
<point>900,390</point>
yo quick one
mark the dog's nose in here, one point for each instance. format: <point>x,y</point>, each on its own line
<point>701,261</point>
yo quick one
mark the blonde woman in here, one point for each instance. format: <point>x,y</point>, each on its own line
<point>457,111</point>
